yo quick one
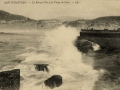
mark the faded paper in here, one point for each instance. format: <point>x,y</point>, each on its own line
<point>39,38</point>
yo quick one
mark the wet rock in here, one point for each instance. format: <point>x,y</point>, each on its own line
<point>54,81</point>
<point>41,67</point>
<point>10,80</point>
<point>84,45</point>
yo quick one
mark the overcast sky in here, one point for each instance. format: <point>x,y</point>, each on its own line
<point>87,9</point>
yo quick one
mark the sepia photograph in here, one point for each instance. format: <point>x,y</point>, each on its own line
<point>59,45</point>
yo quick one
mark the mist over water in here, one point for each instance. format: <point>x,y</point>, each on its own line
<point>56,48</point>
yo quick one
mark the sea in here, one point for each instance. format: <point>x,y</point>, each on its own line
<point>98,69</point>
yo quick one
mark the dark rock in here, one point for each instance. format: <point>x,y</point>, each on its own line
<point>84,45</point>
<point>54,81</point>
<point>41,67</point>
<point>10,80</point>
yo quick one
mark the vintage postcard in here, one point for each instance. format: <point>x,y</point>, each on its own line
<point>59,44</point>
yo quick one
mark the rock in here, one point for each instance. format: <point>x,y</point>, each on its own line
<point>41,67</point>
<point>10,80</point>
<point>54,81</point>
<point>84,45</point>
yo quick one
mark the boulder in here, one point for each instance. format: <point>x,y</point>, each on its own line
<point>84,45</point>
<point>41,67</point>
<point>54,81</point>
<point>10,80</point>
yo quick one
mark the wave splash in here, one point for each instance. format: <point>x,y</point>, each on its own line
<point>59,51</point>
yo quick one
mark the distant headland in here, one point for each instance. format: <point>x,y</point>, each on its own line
<point>12,20</point>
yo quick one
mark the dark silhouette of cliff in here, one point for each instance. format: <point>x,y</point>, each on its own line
<point>108,18</point>
<point>8,16</point>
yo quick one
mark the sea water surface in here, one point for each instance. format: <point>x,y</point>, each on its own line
<point>95,70</point>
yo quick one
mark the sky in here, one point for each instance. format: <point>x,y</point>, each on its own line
<point>85,9</point>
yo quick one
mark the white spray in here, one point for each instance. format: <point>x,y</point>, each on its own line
<point>63,58</point>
